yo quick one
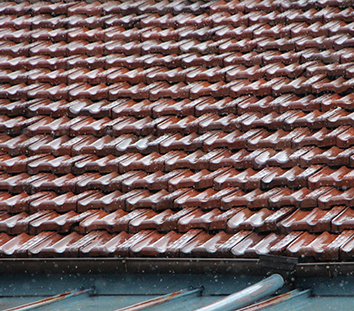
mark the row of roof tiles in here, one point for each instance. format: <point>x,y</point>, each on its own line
<point>194,243</point>
<point>204,14</point>
<point>313,177</point>
<point>248,107</point>
<point>228,198</point>
<point>11,31</point>
<point>233,220</point>
<point>254,139</point>
<point>284,220</point>
<point>186,46</point>
<point>189,74</point>
<point>14,62</point>
<point>330,8</point>
<point>154,91</point>
<point>198,160</point>
<point>105,8</point>
<point>81,125</point>
<point>143,6</point>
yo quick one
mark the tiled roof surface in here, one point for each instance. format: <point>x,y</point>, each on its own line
<point>177,128</point>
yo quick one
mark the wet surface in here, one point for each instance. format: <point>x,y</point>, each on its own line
<point>182,129</point>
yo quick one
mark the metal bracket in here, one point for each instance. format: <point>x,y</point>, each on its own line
<point>285,266</point>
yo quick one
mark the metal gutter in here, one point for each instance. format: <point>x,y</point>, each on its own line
<point>329,269</point>
<point>128,265</point>
<point>166,265</point>
<point>248,295</point>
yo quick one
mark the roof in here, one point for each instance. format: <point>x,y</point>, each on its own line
<point>152,292</point>
<point>113,291</point>
<point>177,129</point>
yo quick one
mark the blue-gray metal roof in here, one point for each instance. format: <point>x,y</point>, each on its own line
<point>114,291</point>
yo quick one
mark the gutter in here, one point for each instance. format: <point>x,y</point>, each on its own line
<point>169,265</point>
<point>128,265</point>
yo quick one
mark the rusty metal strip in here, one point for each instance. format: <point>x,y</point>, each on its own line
<point>247,296</point>
<point>49,300</point>
<point>274,301</point>
<point>162,299</point>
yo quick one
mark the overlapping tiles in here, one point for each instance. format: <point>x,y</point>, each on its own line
<point>180,129</point>
<point>193,243</point>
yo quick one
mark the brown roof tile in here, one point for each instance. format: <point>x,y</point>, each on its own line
<point>191,129</point>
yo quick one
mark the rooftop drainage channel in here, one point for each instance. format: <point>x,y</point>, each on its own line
<point>168,265</point>
<point>128,265</point>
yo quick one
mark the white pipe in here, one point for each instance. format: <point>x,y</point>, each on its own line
<point>247,296</point>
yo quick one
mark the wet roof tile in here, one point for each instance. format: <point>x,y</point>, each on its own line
<point>211,129</point>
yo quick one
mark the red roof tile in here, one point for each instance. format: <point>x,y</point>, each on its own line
<point>179,129</point>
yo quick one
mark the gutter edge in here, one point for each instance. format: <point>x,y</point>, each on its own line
<point>166,265</point>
